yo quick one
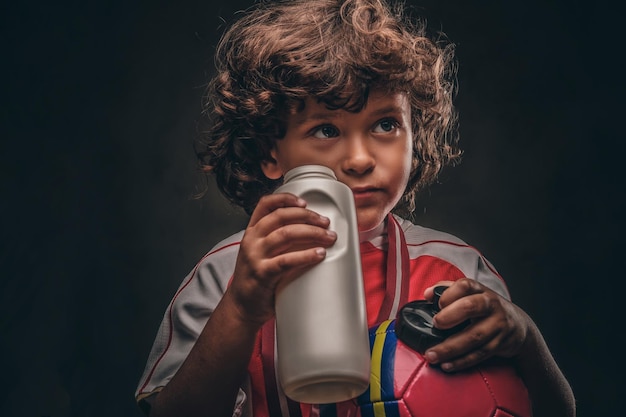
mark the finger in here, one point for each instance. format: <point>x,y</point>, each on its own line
<point>288,216</point>
<point>471,337</point>
<point>464,299</point>
<point>269,203</point>
<point>472,358</point>
<point>462,288</point>
<point>293,264</point>
<point>429,292</point>
<point>296,237</point>
<point>472,345</point>
<point>466,308</point>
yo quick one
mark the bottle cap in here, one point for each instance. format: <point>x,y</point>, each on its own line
<point>308,169</point>
<point>414,324</point>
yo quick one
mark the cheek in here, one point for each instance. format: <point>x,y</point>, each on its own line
<point>407,162</point>
<point>294,153</point>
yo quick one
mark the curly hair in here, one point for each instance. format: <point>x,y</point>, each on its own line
<point>276,54</point>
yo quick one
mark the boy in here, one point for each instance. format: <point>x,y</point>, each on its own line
<point>354,86</point>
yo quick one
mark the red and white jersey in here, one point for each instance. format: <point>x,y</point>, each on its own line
<point>399,263</point>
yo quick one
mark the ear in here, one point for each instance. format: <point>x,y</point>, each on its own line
<point>270,167</point>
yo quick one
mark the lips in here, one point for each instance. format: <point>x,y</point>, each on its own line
<point>365,193</point>
<point>360,190</point>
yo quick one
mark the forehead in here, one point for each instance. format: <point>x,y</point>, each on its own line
<point>377,102</point>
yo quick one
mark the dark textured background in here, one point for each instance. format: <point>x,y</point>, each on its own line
<point>100,105</point>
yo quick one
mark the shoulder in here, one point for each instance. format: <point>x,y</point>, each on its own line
<point>224,248</point>
<point>209,278</point>
<point>416,234</point>
<point>426,242</point>
<point>230,242</point>
<point>187,314</point>
<point>220,260</point>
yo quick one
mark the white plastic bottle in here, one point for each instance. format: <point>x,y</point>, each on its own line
<point>323,353</point>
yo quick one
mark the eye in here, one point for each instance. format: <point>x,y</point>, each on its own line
<point>325,132</point>
<point>386,125</point>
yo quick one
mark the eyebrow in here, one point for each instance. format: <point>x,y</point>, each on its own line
<point>392,108</point>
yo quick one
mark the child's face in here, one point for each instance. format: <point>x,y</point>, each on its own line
<point>369,151</point>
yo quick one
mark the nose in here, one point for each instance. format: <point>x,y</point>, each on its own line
<point>359,158</point>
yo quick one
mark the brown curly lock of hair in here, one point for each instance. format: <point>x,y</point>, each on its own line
<point>279,53</point>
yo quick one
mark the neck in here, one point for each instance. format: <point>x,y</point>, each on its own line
<point>368,235</point>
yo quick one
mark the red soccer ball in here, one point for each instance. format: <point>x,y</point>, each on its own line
<point>403,384</point>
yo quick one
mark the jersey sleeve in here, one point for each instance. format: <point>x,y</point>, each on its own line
<point>184,319</point>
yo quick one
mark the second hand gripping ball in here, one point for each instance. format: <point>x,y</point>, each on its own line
<point>403,384</point>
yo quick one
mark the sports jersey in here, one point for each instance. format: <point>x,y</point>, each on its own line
<point>399,261</point>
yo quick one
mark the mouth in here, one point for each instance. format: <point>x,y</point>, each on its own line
<point>365,193</point>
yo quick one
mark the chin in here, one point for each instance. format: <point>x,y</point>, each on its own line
<point>367,222</point>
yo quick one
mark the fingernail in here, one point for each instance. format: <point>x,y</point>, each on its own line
<point>331,233</point>
<point>447,366</point>
<point>431,356</point>
<point>320,251</point>
<point>301,202</point>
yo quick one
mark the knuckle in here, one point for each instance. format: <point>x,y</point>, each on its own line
<point>466,283</point>
<point>480,354</point>
<point>476,337</point>
<point>468,305</point>
<point>284,233</point>
<point>262,270</point>
<point>508,322</point>
<point>282,264</point>
<point>265,199</point>
<point>491,303</point>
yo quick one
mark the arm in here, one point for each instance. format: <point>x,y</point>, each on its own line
<point>550,392</point>
<point>209,378</point>
<point>499,328</point>
<point>283,239</point>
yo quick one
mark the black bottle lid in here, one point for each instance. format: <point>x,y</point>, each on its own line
<point>414,324</point>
